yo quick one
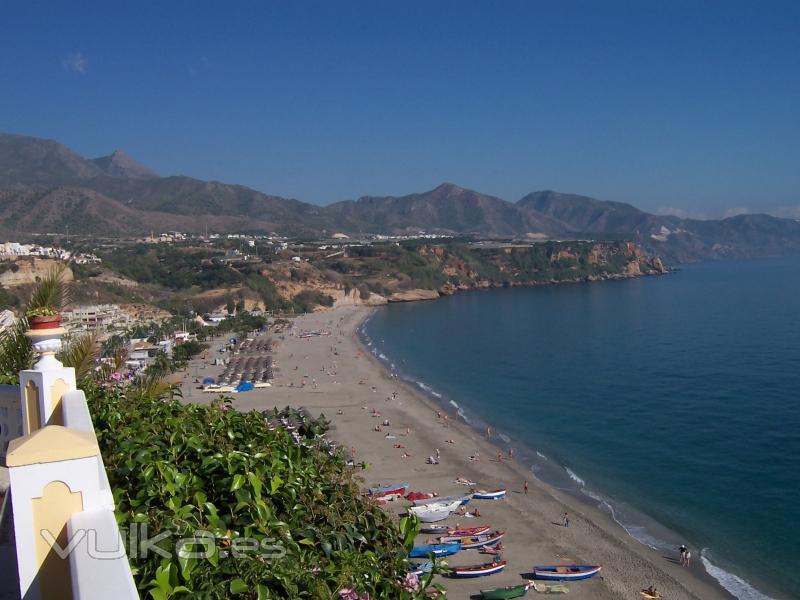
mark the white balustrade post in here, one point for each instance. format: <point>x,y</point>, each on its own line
<point>43,386</point>
<point>54,473</point>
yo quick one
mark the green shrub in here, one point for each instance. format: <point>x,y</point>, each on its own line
<point>184,468</point>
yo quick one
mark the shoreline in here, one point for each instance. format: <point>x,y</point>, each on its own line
<point>343,381</point>
<point>576,493</point>
<point>575,487</point>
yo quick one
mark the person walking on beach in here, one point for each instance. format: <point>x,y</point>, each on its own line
<point>525,487</point>
<point>687,557</point>
<point>566,519</point>
<point>437,454</point>
<point>682,554</point>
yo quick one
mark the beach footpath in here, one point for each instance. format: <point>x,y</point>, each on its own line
<point>394,429</point>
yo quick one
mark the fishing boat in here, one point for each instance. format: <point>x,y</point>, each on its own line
<point>433,515</point>
<point>474,541</point>
<point>566,572</point>
<point>461,532</point>
<point>421,496</point>
<point>434,549</point>
<point>420,569</point>
<point>555,588</point>
<point>490,495</point>
<point>477,570</point>
<point>449,506</point>
<point>394,489</point>
<point>504,593</point>
<point>463,499</point>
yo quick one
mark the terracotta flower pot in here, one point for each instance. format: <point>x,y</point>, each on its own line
<point>50,322</point>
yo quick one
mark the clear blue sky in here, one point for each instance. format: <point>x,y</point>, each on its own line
<point>692,105</point>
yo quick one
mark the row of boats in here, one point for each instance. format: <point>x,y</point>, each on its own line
<point>452,540</point>
<point>428,508</point>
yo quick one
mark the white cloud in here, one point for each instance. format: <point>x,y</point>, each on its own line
<point>681,213</point>
<point>76,62</point>
<point>735,212</point>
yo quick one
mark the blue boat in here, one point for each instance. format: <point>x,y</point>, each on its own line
<point>493,495</point>
<point>420,569</point>
<point>435,550</point>
<point>565,572</point>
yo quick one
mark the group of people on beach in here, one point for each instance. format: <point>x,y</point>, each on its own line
<point>685,555</point>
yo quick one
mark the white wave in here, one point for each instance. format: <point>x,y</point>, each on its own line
<point>733,583</point>
<point>540,455</point>
<point>423,386</point>
<point>505,438</point>
<point>437,394</point>
<point>382,356</point>
<point>453,402</point>
<point>574,477</point>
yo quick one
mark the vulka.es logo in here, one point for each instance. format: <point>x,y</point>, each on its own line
<point>167,544</point>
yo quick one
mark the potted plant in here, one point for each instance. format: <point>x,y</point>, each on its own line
<point>48,298</point>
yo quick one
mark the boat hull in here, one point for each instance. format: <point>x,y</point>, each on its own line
<point>477,571</point>
<point>493,495</point>
<point>432,516</point>
<point>565,572</point>
<point>395,488</point>
<point>474,541</point>
<point>463,499</point>
<point>505,593</point>
<point>435,550</point>
<point>446,530</point>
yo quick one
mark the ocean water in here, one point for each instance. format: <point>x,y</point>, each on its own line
<point>673,401</point>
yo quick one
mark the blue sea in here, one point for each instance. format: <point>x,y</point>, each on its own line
<point>673,402</point>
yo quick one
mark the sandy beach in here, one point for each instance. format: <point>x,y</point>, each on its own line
<point>335,375</point>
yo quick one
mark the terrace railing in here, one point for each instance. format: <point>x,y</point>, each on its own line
<point>68,544</point>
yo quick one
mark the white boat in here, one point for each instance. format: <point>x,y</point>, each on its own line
<point>463,499</point>
<point>432,515</point>
<point>449,506</point>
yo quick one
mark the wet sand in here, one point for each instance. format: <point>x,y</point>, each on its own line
<point>340,375</point>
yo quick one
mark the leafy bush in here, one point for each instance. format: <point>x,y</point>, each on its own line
<point>185,468</point>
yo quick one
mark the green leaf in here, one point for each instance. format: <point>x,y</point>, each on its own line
<point>238,586</point>
<point>238,481</point>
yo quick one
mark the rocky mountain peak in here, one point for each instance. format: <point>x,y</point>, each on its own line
<point>120,164</point>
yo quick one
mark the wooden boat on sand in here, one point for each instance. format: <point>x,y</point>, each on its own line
<point>556,588</point>
<point>435,550</point>
<point>477,570</point>
<point>463,499</point>
<point>394,489</point>
<point>565,572</point>
<point>433,515</point>
<point>460,531</point>
<point>505,593</point>
<point>474,541</point>
<point>420,569</point>
<point>489,495</point>
<point>449,506</point>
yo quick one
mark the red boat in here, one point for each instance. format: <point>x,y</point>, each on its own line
<point>419,496</point>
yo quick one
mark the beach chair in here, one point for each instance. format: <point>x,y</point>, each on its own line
<point>557,588</point>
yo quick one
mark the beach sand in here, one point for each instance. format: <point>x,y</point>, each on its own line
<point>341,375</point>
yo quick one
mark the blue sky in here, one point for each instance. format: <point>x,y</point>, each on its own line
<point>693,106</point>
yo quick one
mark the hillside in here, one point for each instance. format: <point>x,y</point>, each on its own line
<point>47,188</point>
<point>447,208</point>
<point>674,239</point>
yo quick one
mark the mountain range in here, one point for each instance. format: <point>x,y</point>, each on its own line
<point>47,188</point>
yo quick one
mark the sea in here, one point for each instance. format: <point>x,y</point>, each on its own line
<point>671,402</point>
